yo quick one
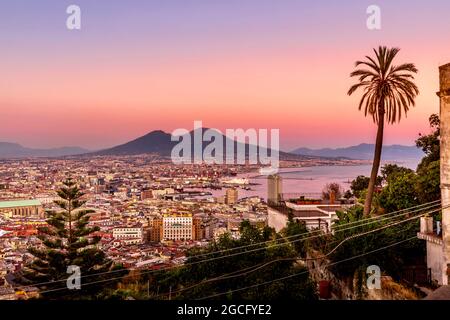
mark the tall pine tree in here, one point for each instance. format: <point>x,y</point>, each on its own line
<point>67,240</point>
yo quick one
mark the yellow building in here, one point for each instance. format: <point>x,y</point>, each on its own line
<point>155,230</point>
<point>175,226</point>
<point>22,209</point>
<point>231,196</point>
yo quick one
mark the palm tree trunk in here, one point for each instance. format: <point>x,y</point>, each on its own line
<point>376,162</point>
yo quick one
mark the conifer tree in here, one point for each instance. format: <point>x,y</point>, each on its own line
<point>67,240</point>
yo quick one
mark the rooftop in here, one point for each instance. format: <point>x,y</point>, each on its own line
<point>308,213</point>
<point>19,203</point>
<point>311,212</point>
<point>331,208</point>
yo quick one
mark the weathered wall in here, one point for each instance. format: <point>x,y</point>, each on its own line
<point>276,219</point>
<point>444,95</point>
<point>346,289</point>
<point>318,270</point>
<point>435,261</point>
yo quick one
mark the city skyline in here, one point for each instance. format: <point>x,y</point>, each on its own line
<point>154,65</point>
<point>224,150</point>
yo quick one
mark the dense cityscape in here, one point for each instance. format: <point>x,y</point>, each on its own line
<point>223,158</point>
<point>149,211</point>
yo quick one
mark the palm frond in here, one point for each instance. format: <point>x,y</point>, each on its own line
<point>388,89</point>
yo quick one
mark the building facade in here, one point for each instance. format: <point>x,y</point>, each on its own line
<point>314,217</point>
<point>155,229</point>
<point>274,189</point>
<point>438,242</point>
<point>177,227</point>
<point>129,235</point>
<point>444,97</point>
<point>146,194</point>
<point>231,196</point>
<point>22,209</point>
<point>198,229</point>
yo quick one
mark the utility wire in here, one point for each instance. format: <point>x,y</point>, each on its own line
<point>305,272</point>
<point>239,253</point>
<point>380,218</point>
<point>308,259</point>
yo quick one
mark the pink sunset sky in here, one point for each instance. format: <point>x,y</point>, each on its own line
<point>139,66</point>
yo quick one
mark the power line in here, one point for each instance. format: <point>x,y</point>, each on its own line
<point>233,274</point>
<point>380,218</point>
<point>309,259</point>
<point>304,272</point>
<point>239,253</point>
<point>371,231</point>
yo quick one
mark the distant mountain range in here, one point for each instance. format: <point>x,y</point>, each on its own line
<point>364,151</point>
<point>154,142</point>
<point>160,142</point>
<point>15,150</point>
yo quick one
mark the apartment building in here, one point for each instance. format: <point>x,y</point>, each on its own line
<point>177,226</point>
<point>155,229</point>
<point>231,196</point>
<point>129,235</point>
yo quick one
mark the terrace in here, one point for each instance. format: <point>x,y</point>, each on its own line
<point>314,213</point>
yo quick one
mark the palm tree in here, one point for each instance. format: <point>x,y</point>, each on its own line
<point>387,90</point>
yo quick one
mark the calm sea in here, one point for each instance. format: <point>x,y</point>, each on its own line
<point>309,180</point>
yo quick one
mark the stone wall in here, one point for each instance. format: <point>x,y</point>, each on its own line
<point>444,95</point>
<point>347,289</point>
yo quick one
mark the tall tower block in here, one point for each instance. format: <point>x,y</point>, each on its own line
<point>274,189</point>
<point>444,96</point>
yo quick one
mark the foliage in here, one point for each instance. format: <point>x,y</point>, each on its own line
<point>361,183</point>
<point>390,260</point>
<point>348,194</point>
<point>404,188</point>
<point>67,240</point>
<point>330,188</point>
<point>390,171</point>
<point>197,279</point>
<point>292,229</point>
<point>428,182</point>
<point>352,214</point>
<point>388,90</point>
<point>428,170</point>
<point>430,144</point>
<point>376,208</point>
<point>400,193</point>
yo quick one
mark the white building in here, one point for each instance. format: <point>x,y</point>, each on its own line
<point>177,227</point>
<point>129,235</point>
<point>314,216</point>
<point>435,257</point>
<point>158,193</point>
